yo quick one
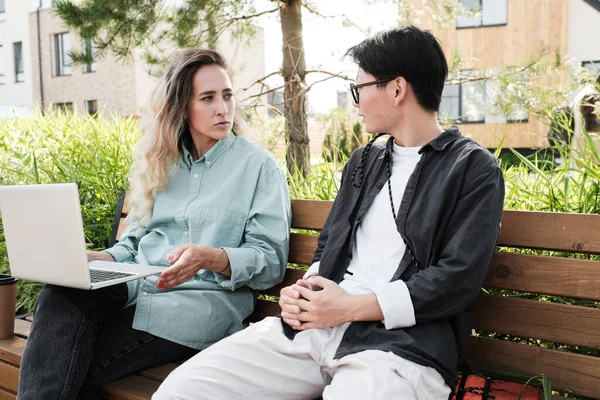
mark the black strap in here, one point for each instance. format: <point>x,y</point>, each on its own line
<point>460,393</point>
<point>486,390</point>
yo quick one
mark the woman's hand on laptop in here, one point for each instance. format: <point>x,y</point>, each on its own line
<point>100,256</point>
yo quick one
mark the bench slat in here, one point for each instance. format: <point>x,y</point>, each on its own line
<point>114,236</point>
<point>126,207</point>
<point>9,376</point>
<point>159,373</point>
<point>291,276</point>
<point>11,350</point>
<point>310,214</point>
<point>551,231</point>
<point>577,372</point>
<point>133,387</point>
<point>122,226</point>
<point>557,276</point>
<point>539,320</point>
<point>6,395</point>
<point>264,308</point>
<point>302,248</point>
<point>22,328</point>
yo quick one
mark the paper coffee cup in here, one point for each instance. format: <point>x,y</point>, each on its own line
<point>8,300</point>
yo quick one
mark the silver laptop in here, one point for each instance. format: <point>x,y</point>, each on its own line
<point>46,243</point>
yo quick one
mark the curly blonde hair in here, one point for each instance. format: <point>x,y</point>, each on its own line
<point>164,129</point>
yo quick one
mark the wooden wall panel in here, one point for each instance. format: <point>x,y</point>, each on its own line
<point>531,25</point>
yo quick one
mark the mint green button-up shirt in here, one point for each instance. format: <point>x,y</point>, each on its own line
<point>234,197</point>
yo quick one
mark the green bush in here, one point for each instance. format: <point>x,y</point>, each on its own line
<point>93,152</point>
<point>572,186</point>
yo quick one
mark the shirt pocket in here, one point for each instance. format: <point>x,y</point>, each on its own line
<point>216,226</point>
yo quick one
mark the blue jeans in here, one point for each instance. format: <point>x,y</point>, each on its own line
<point>82,339</point>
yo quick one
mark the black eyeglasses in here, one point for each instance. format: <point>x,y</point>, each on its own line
<point>354,88</point>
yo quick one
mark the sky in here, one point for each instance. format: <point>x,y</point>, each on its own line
<point>326,41</point>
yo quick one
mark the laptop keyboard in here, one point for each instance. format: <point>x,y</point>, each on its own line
<point>98,275</point>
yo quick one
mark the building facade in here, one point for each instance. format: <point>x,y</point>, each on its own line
<point>502,33</point>
<point>15,60</point>
<point>36,70</point>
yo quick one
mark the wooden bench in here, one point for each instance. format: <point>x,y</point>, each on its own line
<point>548,328</point>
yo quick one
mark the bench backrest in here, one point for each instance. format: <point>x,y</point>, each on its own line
<point>532,330</point>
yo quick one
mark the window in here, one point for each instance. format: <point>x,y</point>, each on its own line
<point>450,105</point>
<point>90,49</point>
<point>62,60</point>
<point>63,107</point>
<point>472,102</point>
<point>92,106</point>
<point>2,82</point>
<point>487,13</point>
<point>592,66</point>
<point>2,7</point>
<point>18,53</point>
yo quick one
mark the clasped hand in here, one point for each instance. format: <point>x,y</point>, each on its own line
<point>302,308</point>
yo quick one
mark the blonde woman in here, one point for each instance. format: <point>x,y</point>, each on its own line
<point>210,207</point>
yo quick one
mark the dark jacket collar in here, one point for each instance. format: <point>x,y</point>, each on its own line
<point>443,140</point>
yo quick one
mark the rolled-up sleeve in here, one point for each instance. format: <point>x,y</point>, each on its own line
<point>126,249</point>
<point>396,304</point>
<point>261,260</point>
<point>312,270</point>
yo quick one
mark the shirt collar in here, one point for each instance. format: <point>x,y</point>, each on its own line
<point>443,140</point>
<point>212,155</point>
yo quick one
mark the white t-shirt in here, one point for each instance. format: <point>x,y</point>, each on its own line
<point>378,247</point>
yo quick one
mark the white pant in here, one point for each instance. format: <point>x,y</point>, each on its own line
<point>261,363</point>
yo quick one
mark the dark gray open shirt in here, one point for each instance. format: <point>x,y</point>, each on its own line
<point>449,218</point>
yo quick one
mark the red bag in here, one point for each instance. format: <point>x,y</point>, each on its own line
<point>473,387</point>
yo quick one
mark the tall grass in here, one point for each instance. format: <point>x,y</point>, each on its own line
<point>561,189</point>
<point>93,152</point>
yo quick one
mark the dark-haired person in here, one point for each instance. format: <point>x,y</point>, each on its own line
<point>400,260</point>
<point>209,206</point>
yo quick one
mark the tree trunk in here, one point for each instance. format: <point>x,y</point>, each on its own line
<point>294,72</point>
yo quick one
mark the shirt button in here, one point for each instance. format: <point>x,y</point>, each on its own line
<point>195,175</point>
<point>208,163</point>
<point>145,294</point>
<point>349,254</point>
<point>185,233</point>
<point>379,185</point>
<point>358,219</point>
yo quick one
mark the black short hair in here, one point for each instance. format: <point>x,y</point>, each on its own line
<point>409,52</point>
